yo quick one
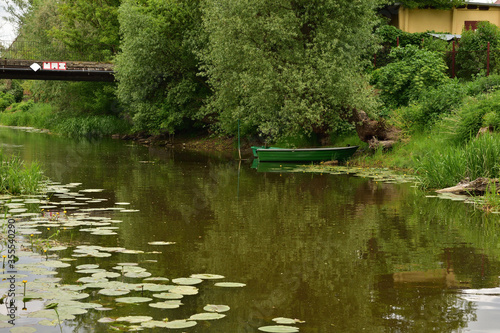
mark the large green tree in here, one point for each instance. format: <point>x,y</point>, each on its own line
<point>157,70</point>
<point>287,67</point>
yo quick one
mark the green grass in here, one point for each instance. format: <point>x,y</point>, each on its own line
<point>18,178</point>
<point>43,116</point>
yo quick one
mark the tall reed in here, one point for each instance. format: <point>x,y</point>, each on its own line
<point>451,164</point>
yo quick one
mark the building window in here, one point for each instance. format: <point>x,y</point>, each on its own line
<point>471,25</point>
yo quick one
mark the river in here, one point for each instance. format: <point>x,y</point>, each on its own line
<point>342,253</point>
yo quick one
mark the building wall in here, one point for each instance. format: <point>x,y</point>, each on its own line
<point>451,21</point>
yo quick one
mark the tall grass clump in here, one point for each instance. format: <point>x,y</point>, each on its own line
<point>450,165</point>
<point>18,178</point>
<point>91,126</point>
<point>39,115</point>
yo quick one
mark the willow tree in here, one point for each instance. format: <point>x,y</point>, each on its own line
<point>157,69</point>
<point>287,67</point>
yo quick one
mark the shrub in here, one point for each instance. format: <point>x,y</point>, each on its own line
<point>413,71</point>
<point>432,105</point>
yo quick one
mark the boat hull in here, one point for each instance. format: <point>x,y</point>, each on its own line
<point>305,154</point>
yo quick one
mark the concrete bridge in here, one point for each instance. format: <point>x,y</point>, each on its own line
<point>56,70</point>
<point>28,60</point>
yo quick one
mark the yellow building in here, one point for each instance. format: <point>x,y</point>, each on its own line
<point>451,21</point>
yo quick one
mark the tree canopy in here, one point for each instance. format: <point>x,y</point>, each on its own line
<point>285,67</point>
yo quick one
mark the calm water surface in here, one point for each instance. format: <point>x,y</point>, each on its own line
<point>342,253</point>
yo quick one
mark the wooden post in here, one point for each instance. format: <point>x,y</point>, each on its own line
<point>488,60</point>
<point>453,61</point>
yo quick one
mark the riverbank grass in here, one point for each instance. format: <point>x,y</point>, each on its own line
<point>17,177</point>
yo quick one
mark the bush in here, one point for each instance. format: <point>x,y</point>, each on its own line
<point>413,71</point>
<point>470,117</point>
<point>432,105</point>
<point>469,61</point>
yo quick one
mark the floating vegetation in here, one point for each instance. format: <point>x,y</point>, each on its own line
<point>279,329</point>
<point>207,316</point>
<point>132,300</point>
<point>161,243</point>
<point>187,281</point>
<point>216,308</point>
<point>230,284</point>
<point>287,321</point>
<point>180,324</point>
<point>117,284</point>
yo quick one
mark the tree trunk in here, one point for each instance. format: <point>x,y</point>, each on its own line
<point>376,132</point>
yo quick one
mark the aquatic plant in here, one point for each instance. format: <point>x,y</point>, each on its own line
<point>16,177</point>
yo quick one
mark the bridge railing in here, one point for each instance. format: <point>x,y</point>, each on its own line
<point>56,51</point>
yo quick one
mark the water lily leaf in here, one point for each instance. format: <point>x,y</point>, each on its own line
<point>161,243</point>
<point>157,287</point>
<point>122,203</point>
<point>134,319</point>
<point>91,271</point>
<point>168,296</point>
<point>46,322</point>
<point>137,274</point>
<point>180,324</point>
<point>230,284</point>
<point>279,329</point>
<point>154,324</point>
<point>207,276</point>
<point>207,316</point>
<point>25,329</point>
<point>114,292</point>
<point>187,281</point>
<point>5,325</point>
<point>184,290</point>
<point>216,308</point>
<point>109,275</point>
<point>287,321</point>
<point>106,320</point>
<point>166,305</point>
<point>156,279</point>
<point>55,264</point>
<point>133,299</point>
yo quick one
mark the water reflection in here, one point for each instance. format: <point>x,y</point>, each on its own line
<point>343,253</point>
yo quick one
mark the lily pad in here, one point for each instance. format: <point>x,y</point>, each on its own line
<point>230,284</point>
<point>279,329</point>
<point>131,300</point>
<point>216,308</point>
<point>114,292</point>
<point>137,274</point>
<point>161,243</point>
<point>287,321</point>
<point>207,276</point>
<point>106,320</point>
<point>207,316</point>
<point>134,319</point>
<point>154,324</point>
<point>180,323</point>
<point>187,281</point>
<point>184,290</point>
<point>166,305</point>
<point>25,329</point>
<point>168,296</point>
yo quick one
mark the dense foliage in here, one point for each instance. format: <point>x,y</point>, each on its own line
<point>412,71</point>
<point>286,67</point>
<point>158,70</point>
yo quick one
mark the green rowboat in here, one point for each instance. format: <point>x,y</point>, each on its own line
<point>305,154</point>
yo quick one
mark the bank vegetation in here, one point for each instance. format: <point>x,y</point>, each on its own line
<point>287,72</point>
